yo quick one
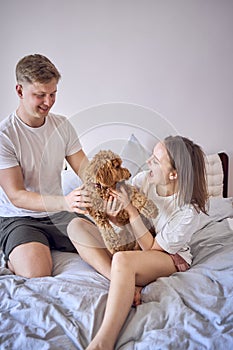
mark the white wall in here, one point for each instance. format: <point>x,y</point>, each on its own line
<point>173,56</point>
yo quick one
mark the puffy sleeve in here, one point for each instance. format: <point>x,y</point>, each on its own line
<point>8,157</point>
<point>73,144</point>
<point>178,229</point>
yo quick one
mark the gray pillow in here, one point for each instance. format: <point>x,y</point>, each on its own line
<point>134,156</point>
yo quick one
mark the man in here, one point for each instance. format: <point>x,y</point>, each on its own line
<point>34,143</point>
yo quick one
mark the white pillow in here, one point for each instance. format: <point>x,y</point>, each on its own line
<point>134,156</point>
<point>69,181</point>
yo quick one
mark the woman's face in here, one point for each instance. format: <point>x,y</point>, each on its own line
<point>161,172</point>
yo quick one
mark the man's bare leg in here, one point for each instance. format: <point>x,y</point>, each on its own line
<point>31,260</point>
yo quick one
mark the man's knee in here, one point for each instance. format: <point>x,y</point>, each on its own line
<point>31,260</point>
<point>33,273</point>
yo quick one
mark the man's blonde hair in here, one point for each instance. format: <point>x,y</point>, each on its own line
<point>36,68</point>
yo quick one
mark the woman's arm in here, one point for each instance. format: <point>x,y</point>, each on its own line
<point>140,231</point>
<point>143,236</point>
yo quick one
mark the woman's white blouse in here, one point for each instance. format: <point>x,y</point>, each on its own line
<point>174,225</point>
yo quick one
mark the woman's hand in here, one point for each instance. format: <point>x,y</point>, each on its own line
<point>122,196</point>
<point>78,200</point>
<point>112,207</point>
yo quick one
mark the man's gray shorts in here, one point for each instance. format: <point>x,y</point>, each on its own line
<point>49,230</point>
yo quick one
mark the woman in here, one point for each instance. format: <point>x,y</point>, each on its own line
<point>177,184</point>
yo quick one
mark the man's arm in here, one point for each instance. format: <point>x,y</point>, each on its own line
<point>11,180</point>
<point>78,162</point>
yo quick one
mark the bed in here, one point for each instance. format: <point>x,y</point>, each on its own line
<point>189,310</point>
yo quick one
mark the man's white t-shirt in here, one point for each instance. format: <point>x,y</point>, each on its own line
<point>174,225</point>
<point>40,152</point>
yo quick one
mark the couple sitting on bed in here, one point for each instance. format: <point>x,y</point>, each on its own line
<point>35,217</point>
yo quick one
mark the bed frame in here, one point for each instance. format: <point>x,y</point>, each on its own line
<point>225,165</point>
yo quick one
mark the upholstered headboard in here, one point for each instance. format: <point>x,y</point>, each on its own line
<point>217,174</point>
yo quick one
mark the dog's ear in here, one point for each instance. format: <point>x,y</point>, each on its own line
<point>116,162</point>
<point>104,175</point>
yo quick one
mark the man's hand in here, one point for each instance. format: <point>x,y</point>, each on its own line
<point>78,200</point>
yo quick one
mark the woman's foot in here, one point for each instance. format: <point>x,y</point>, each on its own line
<point>137,296</point>
<point>98,345</point>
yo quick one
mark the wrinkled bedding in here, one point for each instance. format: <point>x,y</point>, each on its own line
<point>188,310</point>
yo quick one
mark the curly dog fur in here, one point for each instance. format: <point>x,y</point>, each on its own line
<point>105,171</point>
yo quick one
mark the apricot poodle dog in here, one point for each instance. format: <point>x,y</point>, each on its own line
<point>105,171</point>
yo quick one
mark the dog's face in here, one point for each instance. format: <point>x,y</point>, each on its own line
<point>111,173</point>
<point>107,169</point>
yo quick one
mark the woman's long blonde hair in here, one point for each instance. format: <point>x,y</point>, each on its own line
<point>188,159</point>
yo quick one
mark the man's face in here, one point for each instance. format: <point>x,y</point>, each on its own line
<point>36,100</point>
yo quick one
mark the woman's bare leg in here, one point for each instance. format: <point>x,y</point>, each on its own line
<point>121,294</point>
<point>87,240</point>
<point>128,269</point>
